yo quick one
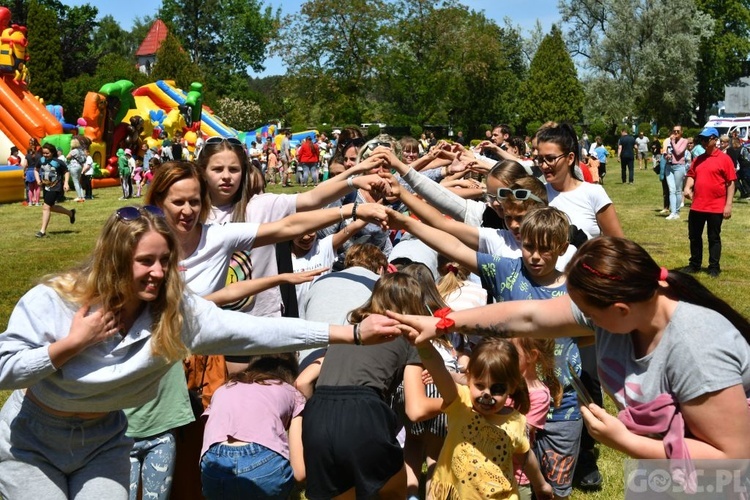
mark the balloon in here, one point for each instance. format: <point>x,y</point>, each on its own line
<point>82,122</point>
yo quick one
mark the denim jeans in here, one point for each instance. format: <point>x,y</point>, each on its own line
<point>152,465</point>
<point>675,176</point>
<point>309,170</point>
<point>245,472</point>
<point>75,174</point>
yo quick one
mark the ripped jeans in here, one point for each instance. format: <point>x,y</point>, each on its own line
<point>152,466</point>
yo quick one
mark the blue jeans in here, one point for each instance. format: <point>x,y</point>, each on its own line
<point>309,170</point>
<point>675,175</point>
<point>152,464</point>
<point>245,472</point>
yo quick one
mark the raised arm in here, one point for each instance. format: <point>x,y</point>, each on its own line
<point>438,240</point>
<point>307,222</point>
<point>338,186</point>
<point>441,377</point>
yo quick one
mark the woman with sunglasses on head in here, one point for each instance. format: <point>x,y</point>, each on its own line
<point>111,329</point>
<point>587,204</point>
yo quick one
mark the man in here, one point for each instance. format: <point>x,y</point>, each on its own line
<point>460,139</point>
<point>710,184</point>
<point>626,152</point>
<point>642,143</point>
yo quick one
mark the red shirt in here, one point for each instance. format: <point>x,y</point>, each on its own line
<point>307,152</point>
<point>711,172</point>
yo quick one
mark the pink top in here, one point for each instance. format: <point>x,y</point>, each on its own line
<point>253,413</point>
<point>540,400</point>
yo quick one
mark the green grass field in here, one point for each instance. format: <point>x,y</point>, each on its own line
<point>27,258</point>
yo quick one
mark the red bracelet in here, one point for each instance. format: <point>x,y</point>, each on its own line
<point>445,322</point>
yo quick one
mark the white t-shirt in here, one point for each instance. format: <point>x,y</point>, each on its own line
<point>581,205</point>
<point>501,242</point>
<point>642,143</point>
<point>266,207</point>
<point>320,255</point>
<point>90,165</point>
<point>205,271</point>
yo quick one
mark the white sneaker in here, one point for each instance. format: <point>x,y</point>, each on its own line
<point>673,216</point>
<point>682,204</point>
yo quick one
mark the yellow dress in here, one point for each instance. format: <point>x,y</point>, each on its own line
<point>476,461</point>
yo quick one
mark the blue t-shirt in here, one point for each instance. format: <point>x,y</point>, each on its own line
<point>601,154</point>
<point>507,279</point>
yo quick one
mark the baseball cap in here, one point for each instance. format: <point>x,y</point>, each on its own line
<point>128,152</point>
<point>708,132</point>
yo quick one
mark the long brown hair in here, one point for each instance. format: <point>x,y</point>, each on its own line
<point>246,188</point>
<point>498,359</point>
<point>397,292</point>
<point>545,363</point>
<point>606,270</point>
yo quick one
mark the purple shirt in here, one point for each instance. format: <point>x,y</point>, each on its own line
<point>253,413</point>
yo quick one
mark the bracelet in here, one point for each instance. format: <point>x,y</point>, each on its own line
<point>350,182</point>
<point>354,211</point>
<point>341,213</point>
<point>357,335</point>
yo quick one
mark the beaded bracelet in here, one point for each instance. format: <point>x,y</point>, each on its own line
<point>354,211</point>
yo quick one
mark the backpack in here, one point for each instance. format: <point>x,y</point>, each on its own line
<point>48,173</point>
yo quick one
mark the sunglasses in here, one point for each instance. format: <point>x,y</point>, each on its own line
<point>134,213</point>
<point>549,159</point>
<point>677,131</point>
<point>373,145</point>
<point>233,141</point>
<point>357,142</point>
<point>518,194</point>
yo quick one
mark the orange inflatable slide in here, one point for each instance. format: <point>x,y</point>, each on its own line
<point>22,116</point>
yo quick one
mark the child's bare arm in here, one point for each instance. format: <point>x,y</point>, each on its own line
<point>539,484</point>
<point>295,449</point>
<point>434,363</point>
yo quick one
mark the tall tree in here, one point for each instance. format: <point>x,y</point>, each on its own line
<point>45,65</point>
<point>723,56</point>
<point>225,35</point>
<point>76,27</point>
<point>173,63</point>
<point>552,90</point>
<point>110,38</point>
<point>639,56</point>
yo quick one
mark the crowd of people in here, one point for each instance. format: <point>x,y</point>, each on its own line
<point>373,336</point>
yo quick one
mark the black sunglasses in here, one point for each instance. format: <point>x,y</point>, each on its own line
<point>134,213</point>
<point>357,142</point>
<point>217,139</point>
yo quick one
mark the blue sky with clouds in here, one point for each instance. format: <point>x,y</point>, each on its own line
<point>523,13</point>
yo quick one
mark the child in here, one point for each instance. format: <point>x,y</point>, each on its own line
<point>483,433</point>
<point>349,431</point>
<point>601,154</point>
<point>246,452</point>
<point>536,357</point>
<point>138,178</point>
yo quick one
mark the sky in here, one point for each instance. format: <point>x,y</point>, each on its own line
<point>523,13</point>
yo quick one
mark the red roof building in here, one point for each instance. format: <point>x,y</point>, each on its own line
<point>146,53</point>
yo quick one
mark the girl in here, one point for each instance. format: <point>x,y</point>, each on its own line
<point>660,336</point>
<point>536,357</point>
<point>138,177</point>
<point>53,176</point>
<point>483,433</point>
<point>110,330</point>
<point>246,452</point>
<point>349,430</point>
<point>31,176</point>
<point>76,159</point>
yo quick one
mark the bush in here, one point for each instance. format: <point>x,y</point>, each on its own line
<point>664,132</point>
<point>373,130</point>
<point>645,128</point>
<point>325,129</point>
<point>532,127</point>
<point>415,131</point>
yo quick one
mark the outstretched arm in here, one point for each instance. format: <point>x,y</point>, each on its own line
<point>438,240</point>
<point>241,289</point>
<point>306,222</point>
<point>434,363</point>
<point>338,186</point>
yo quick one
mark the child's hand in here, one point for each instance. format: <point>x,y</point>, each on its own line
<point>546,492</point>
<point>605,428</point>
<point>303,277</point>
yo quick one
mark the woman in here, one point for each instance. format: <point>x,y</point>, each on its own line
<point>109,331</point>
<point>660,336</point>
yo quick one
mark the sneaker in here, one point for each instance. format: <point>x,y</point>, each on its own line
<point>714,273</point>
<point>664,211</point>
<point>40,234</point>
<point>587,475</point>
<point>673,216</point>
<point>682,204</point>
<point>689,269</point>
<point>73,216</point>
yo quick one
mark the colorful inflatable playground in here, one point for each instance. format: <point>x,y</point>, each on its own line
<point>118,116</point>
